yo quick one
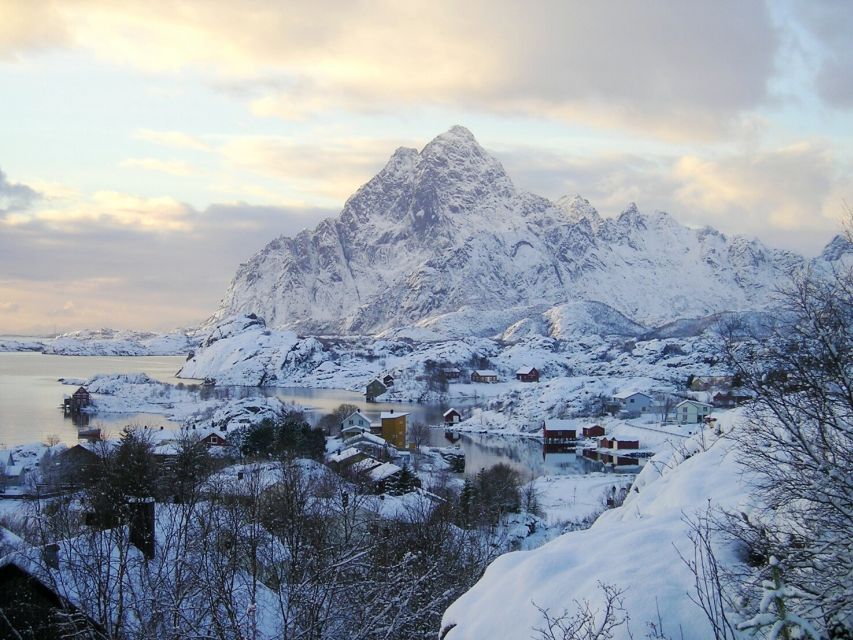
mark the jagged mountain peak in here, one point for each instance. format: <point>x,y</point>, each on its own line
<point>443,229</point>
<point>837,248</point>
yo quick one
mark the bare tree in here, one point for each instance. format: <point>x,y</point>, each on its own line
<point>585,622</point>
<point>799,444</point>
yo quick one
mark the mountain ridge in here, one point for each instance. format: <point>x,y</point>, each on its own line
<point>445,228</point>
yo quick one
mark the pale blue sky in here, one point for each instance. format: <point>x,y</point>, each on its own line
<point>147,148</point>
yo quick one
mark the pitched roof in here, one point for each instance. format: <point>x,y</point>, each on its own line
<point>524,371</point>
<point>693,402</point>
<point>486,372</point>
<point>346,454</point>
<point>624,395</point>
<point>383,471</point>
<point>561,424</point>
<point>449,411</point>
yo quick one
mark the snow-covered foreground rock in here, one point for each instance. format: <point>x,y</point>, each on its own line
<point>138,393</point>
<point>106,342</point>
<point>635,547</point>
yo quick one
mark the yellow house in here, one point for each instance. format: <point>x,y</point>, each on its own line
<point>394,426</point>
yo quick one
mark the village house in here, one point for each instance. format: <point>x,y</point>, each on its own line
<point>369,443</point>
<point>79,399</point>
<point>452,416</point>
<point>375,388</point>
<point>213,438</point>
<point>394,427</point>
<point>633,404</point>
<point>452,373</point>
<point>613,443</point>
<point>730,399</point>
<point>595,431</point>
<point>388,380</point>
<point>555,431</point>
<point>383,476</point>
<point>484,375</point>
<point>75,463</point>
<point>527,374</point>
<point>691,412</point>
<point>30,600</point>
<point>343,459</point>
<point>354,424</point>
<point>703,383</point>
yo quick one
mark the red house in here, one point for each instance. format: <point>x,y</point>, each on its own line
<point>627,444</point>
<point>452,416</point>
<point>595,431</point>
<point>555,431</point>
<point>213,439</point>
<point>613,443</point>
<point>527,374</point>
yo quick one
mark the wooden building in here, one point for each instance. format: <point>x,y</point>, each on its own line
<point>388,380</point>
<point>32,608</point>
<point>394,427</point>
<point>595,431</point>
<point>556,431</point>
<point>452,416</point>
<point>79,399</point>
<point>374,389</point>
<point>527,374</point>
<point>484,375</point>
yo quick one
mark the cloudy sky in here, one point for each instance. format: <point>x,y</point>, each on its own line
<point>147,148</point>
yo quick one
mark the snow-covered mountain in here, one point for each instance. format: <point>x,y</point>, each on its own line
<point>443,237</point>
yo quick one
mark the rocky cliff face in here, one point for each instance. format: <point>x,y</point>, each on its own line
<point>444,231</point>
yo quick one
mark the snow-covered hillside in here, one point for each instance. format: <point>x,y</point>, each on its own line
<point>442,240</point>
<point>106,342</point>
<point>634,548</point>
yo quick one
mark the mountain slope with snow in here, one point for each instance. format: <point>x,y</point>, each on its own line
<point>445,229</point>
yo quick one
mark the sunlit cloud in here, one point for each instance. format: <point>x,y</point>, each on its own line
<point>177,139</point>
<point>172,167</point>
<point>110,208</point>
<point>634,64</point>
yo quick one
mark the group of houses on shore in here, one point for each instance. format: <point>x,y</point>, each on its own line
<point>381,384</point>
<point>369,448</point>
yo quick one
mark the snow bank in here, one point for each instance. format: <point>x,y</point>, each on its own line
<point>634,547</point>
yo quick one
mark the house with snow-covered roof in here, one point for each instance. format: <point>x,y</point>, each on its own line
<point>484,375</point>
<point>557,430</point>
<point>375,388</point>
<point>527,374</point>
<point>452,416</point>
<point>354,424</point>
<point>633,403</point>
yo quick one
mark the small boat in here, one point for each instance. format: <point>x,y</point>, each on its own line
<point>93,433</point>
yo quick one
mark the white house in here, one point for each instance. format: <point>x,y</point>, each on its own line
<point>634,403</point>
<point>691,411</point>
<point>354,424</point>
